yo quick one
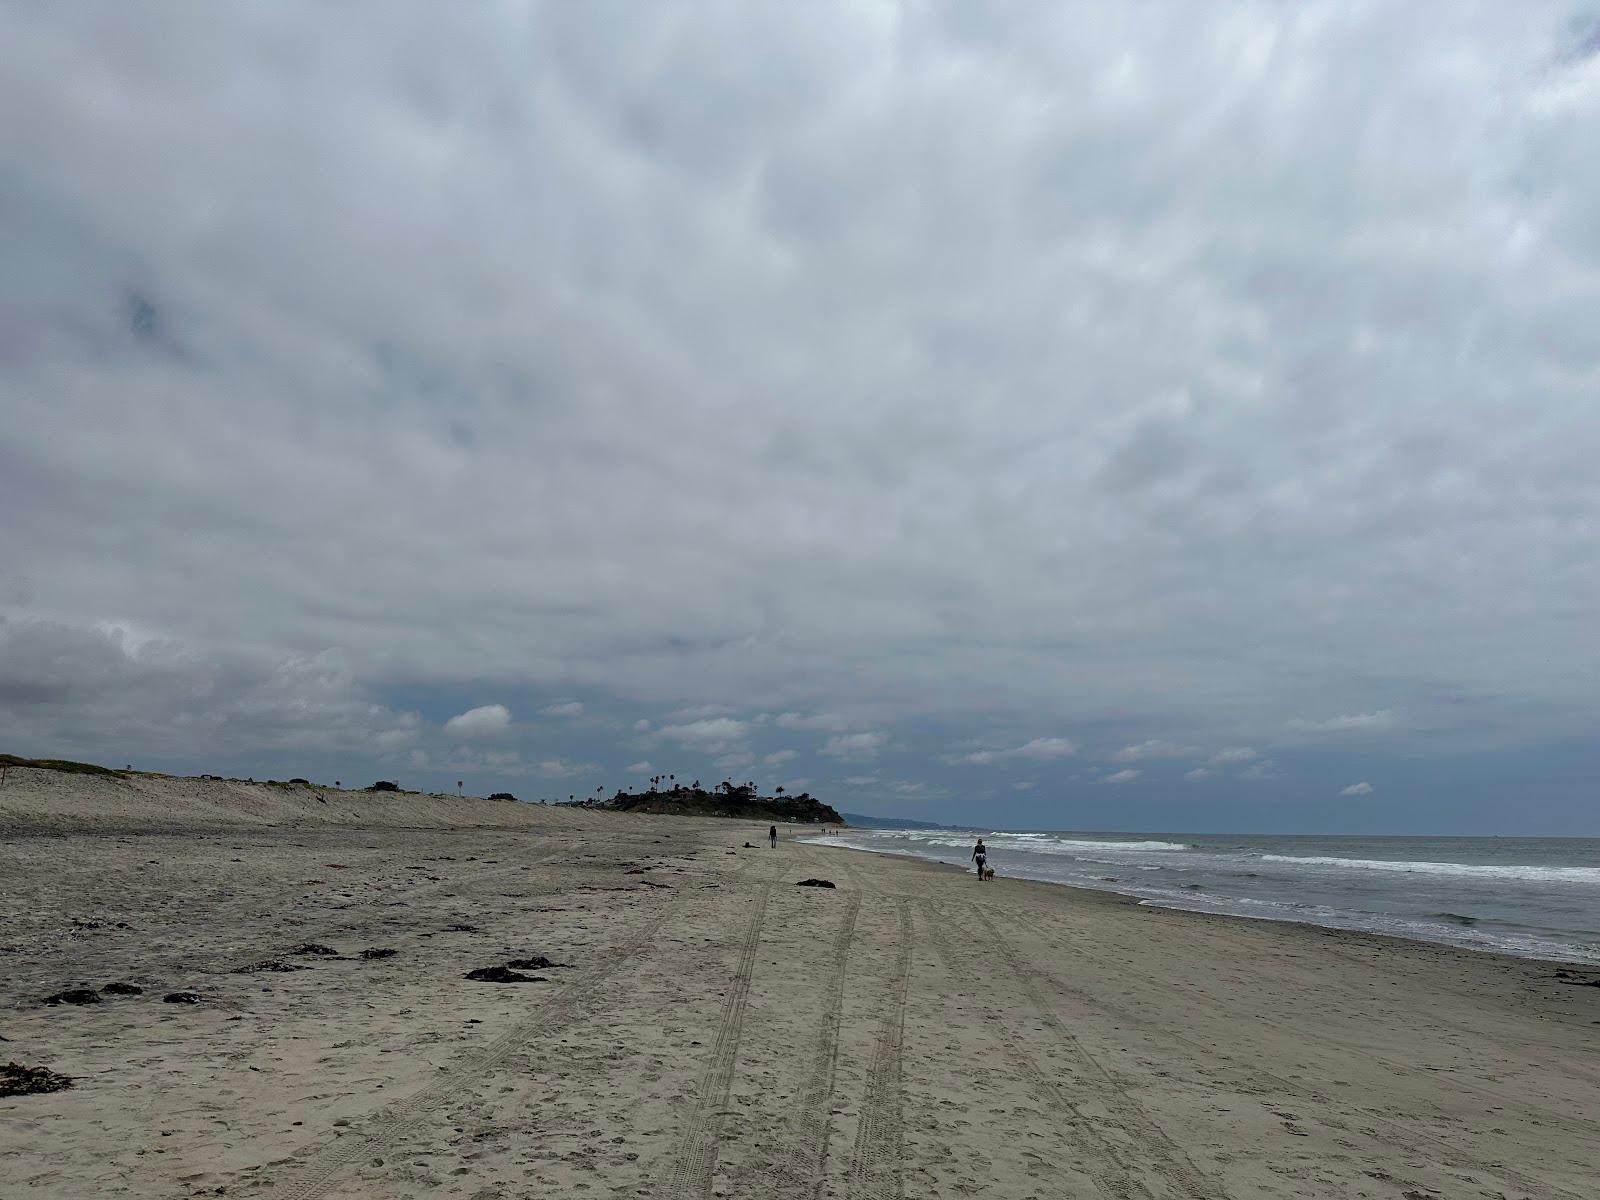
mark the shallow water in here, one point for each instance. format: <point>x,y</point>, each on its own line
<point>1537,897</point>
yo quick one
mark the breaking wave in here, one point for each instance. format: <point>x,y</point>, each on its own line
<point>1465,870</point>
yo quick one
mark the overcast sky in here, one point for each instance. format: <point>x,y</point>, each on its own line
<point>1127,416</point>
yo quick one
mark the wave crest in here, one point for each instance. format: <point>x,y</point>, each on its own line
<point>1468,870</point>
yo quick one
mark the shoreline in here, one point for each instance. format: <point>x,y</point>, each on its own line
<point>1388,942</point>
<point>1576,960</point>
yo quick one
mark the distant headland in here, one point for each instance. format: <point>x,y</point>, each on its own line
<point>726,799</point>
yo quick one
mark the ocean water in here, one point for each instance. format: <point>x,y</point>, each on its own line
<point>1536,897</point>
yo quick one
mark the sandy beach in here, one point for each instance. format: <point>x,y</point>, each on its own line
<point>712,1029</point>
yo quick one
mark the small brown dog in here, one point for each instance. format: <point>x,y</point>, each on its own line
<point>988,872</point>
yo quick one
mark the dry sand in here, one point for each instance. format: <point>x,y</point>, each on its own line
<point>717,1030</point>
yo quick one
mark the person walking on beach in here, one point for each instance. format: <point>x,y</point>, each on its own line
<point>980,855</point>
<point>772,836</point>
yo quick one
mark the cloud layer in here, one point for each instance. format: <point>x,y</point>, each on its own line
<point>915,386</point>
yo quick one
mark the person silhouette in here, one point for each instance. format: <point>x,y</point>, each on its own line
<point>772,836</point>
<point>980,855</point>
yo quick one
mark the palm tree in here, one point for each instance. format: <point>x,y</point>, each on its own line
<point>779,789</point>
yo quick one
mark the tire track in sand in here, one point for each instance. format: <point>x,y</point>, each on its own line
<point>800,1173</point>
<point>1098,1158</point>
<point>1158,1152</point>
<point>1086,949</point>
<point>695,1161</point>
<point>875,1159</point>
<point>319,1171</point>
<point>1116,1170</point>
<point>1370,1123</point>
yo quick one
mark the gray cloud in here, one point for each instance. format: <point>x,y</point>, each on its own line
<point>855,747</point>
<point>708,733</point>
<point>1266,768</point>
<point>1153,748</point>
<point>945,374</point>
<point>486,720</point>
<point>1352,723</point>
<point>1045,749</point>
<point>560,768</point>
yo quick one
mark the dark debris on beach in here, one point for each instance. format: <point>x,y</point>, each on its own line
<point>18,1080</point>
<point>502,974</point>
<point>534,962</point>
<point>74,996</point>
<point>1577,979</point>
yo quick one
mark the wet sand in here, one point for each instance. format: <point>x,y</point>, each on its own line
<point>714,1029</point>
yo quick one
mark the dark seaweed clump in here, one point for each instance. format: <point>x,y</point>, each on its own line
<point>18,1080</point>
<point>74,996</point>
<point>534,962</point>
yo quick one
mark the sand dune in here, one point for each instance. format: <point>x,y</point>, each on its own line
<point>38,801</point>
<point>716,1030</point>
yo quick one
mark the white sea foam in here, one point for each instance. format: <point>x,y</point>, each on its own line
<point>1094,844</point>
<point>1078,847</point>
<point>1036,843</point>
<point>1468,870</point>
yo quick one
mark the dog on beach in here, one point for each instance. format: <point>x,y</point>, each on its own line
<point>988,872</point>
